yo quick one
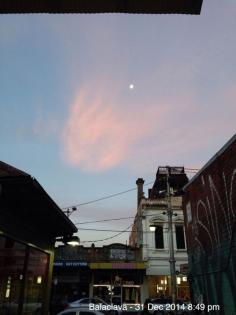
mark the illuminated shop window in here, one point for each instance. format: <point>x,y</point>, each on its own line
<point>23,271</point>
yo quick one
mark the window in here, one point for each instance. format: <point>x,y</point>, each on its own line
<point>35,280</point>
<point>23,272</point>
<point>12,260</point>
<point>180,240</point>
<point>85,301</point>
<point>159,240</point>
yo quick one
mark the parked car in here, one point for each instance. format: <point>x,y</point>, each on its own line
<point>157,306</point>
<point>163,306</point>
<point>85,302</point>
<point>79,311</point>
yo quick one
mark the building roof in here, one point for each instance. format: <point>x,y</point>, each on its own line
<point>219,153</point>
<point>7,170</point>
<point>24,198</point>
<point>102,6</point>
<point>177,180</point>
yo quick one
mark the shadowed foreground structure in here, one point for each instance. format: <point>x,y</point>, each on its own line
<point>102,6</point>
<point>210,216</point>
<point>30,222</point>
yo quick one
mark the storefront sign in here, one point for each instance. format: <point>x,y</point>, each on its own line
<point>117,266</point>
<point>70,263</point>
<point>121,254</point>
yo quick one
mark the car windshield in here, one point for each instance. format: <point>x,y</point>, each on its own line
<point>96,301</point>
<point>84,301</point>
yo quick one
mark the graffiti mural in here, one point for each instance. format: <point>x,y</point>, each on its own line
<point>210,216</point>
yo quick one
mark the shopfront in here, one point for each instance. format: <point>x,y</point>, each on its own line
<point>114,273</point>
<point>159,286</point>
<point>23,277</point>
<point>117,283</point>
<point>71,278</point>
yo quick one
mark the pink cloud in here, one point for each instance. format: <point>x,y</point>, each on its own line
<point>104,130</point>
<point>99,134</point>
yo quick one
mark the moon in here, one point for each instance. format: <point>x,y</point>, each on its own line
<point>131,86</point>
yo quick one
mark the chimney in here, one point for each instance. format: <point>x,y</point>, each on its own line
<point>139,183</point>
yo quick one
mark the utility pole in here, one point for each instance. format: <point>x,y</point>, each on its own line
<point>170,234</point>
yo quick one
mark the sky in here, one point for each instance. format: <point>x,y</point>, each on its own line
<point>70,118</point>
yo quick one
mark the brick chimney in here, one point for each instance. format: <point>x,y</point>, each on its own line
<point>139,183</point>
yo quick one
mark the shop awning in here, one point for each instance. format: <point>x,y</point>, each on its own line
<point>121,265</point>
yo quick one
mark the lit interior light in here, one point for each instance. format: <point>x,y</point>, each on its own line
<point>39,280</point>
<point>7,293</point>
<point>8,288</point>
<point>178,280</point>
<point>73,241</point>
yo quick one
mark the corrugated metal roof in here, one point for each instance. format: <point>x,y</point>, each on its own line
<point>102,6</point>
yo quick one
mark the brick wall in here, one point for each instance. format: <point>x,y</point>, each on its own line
<point>210,214</point>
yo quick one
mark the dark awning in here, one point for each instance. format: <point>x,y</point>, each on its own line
<point>102,6</point>
<point>24,198</point>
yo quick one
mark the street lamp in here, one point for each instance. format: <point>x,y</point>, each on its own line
<point>72,240</point>
<point>152,228</point>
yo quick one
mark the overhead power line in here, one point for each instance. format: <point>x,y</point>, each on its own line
<point>74,207</point>
<point>108,238</point>
<point>106,197</point>
<point>113,219</point>
<point>122,231</point>
<point>119,231</point>
<point>105,220</point>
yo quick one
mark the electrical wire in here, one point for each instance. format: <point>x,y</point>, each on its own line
<point>108,238</point>
<point>113,219</point>
<point>120,193</point>
<point>105,220</point>
<point>74,207</point>
<point>119,231</point>
<point>106,197</point>
<point>126,231</point>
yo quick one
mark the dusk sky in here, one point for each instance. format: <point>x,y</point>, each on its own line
<point>70,118</point>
